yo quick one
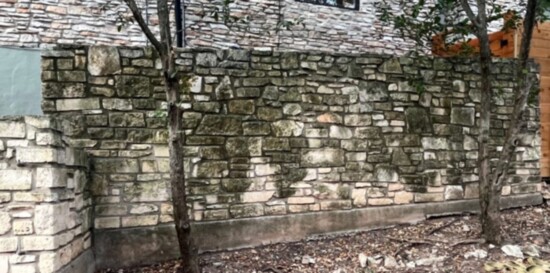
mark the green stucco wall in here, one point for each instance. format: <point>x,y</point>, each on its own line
<point>19,82</point>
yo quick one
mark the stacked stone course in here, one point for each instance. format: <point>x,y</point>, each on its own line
<point>45,207</point>
<point>273,133</point>
<point>43,23</point>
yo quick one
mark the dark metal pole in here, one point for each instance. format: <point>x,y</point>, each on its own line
<point>179,25</point>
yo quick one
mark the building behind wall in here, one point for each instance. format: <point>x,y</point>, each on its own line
<point>354,27</point>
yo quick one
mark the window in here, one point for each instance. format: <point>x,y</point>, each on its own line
<point>345,4</point>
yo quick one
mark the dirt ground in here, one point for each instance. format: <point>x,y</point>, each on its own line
<point>449,244</point>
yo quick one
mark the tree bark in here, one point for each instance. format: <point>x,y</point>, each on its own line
<point>176,140</point>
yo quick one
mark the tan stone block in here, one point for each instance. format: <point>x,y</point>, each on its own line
<point>335,204</point>
<point>15,179</point>
<point>38,243</point>
<point>23,268</point>
<point>5,222</point>
<point>161,151</point>
<point>359,197</point>
<point>403,197</point>
<point>471,191</point>
<point>380,201</point>
<point>12,129</point>
<point>50,218</point>
<point>395,187</point>
<point>135,221</point>
<point>301,200</point>
<point>506,190</point>
<point>106,222</point>
<point>22,227</point>
<point>8,244</point>
<point>49,262</point>
<point>275,210</point>
<point>428,197</point>
<point>5,197</point>
<point>257,197</point>
<point>50,177</point>
<point>298,208</point>
<point>77,104</point>
<point>37,155</point>
<point>454,192</point>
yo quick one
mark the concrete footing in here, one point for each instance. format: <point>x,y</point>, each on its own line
<point>137,246</point>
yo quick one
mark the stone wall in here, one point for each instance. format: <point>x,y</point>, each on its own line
<point>45,208</point>
<point>44,23</point>
<point>274,133</point>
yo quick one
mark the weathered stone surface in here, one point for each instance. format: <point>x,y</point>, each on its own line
<point>287,128</point>
<point>47,220</point>
<point>385,174</point>
<point>269,114</point>
<point>463,116</point>
<point>418,120</point>
<point>435,143</point>
<point>103,60</point>
<point>133,86</point>
<point>211,169</point>
<point>358,120</point>
<point>454,192</point>
<point>245,107</point>
<point>400,158</point>
<point>220,125</point>
<point>146,192</point>
<point>391,66</point>
<point>340,132</point>
<point>77,104</point>
<point>323,157</point>
<point>243,146</point>
<point>50,177</point>
<point>5,222</point>
<point>108,165</point>
<point>206,59</point>
<point>373,91</point>
<point>11,129</point>
<point>249,210</point>
<point>15,179</point>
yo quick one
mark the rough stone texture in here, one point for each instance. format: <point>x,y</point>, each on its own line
<point>48,213</point>
<point>331,29</point>
<point>271,133</point>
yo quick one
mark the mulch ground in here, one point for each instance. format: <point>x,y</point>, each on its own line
<point>448,244</point>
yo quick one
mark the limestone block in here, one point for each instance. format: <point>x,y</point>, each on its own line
<point>143,209</point>
<point>133,86</point>
<point>435,143</point>
<point>135,221</point>
<point>403,197</point>
<point>146,192</point>
<point>106,222</point>
<point>340,132</point>
<point>244,107</point>
<point>266,169</point>
<point>463,116</point>
<point>38,243</point>
<point>23,268</point>
<point>51,177</point>
<point>115,165</point>
<point>335,205</point>
<point>380,201</point>
<point>299,200</point>
<point>454,192</point>
<point>243,147</point>
<point>49,218</point>
<point>322,157</point>
<point>220,125</point>
<point>359,197</point>
<point>206,59</point>
<point>15,179</point>
<point>428,197</point>
<point>12,129</point>
<point>77,104</point>
<point>287,128</point>
<point>391,66</point>
<point>22,227</point>
<point>257,197</point>
<point>5,222</point>
<point>8,244</point>
<point>246,210</point>
<point>292,109</point>
<point>5,197</point>
<point>103,60</point>
<point>383,173</point>
<point>471,191</point>
<point>211,169</point>
<point>117,104</point>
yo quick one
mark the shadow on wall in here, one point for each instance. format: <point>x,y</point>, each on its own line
<point>20,82</point>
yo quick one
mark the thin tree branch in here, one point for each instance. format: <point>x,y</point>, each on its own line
<point>143,25</point>
<point>466,6</point>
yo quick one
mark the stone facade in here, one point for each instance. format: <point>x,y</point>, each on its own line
<point>45,207</point>
<point>45,23</point>
<point>275,133</point>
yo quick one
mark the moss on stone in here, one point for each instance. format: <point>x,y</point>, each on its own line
<point>236,184</point>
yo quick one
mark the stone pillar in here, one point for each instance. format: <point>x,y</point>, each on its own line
<point>45,209</point>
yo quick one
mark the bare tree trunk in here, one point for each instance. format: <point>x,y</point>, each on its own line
<point>172,86</point>
<point>523,88</point>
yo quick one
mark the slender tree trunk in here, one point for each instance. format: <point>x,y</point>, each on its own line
<point>489,197</point>
<point>523,88</point>
<point>164,48</point>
